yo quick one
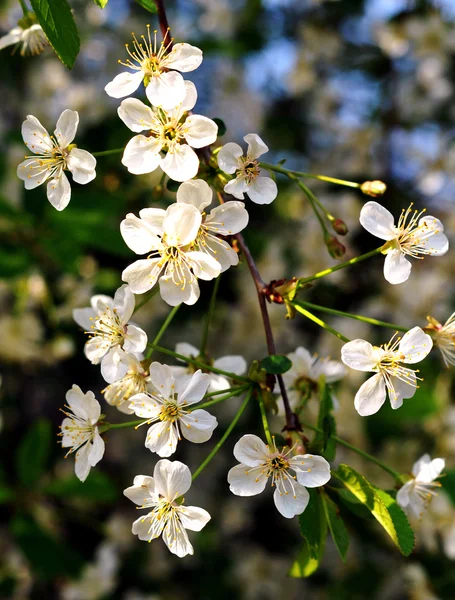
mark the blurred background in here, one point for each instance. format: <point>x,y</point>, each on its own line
<point>356,89</point>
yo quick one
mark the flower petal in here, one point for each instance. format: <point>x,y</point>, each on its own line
<point>82,165</point>
<point>162,379</point>
<point>181,224</point>
<point>403,494</point>
<point>136,115</point>
<point>14,36</point>
<point>435,241</point>
<point>228,157</point>
<point>181,164</point>
<point>142,491</point>
<point>138,234</point>
<point>244,481</point>
<point>32,173</point>
<point>35,136</point>
<point>135,339</point>
<point>232,364</point>
<point>124,304</point>
<point>359,355</point>
<point>256,146</point>
<point>190,98</point>
<point>195,389</point>
<point>291,502</point>
<point>197,192</point>
<point>378,221</point>
<point>154,218</point>
<point>204,265</point>
<point>142,155</point>
<point>184,58</point>
<point>415,345</point>
<point>193,517</point>
<point>187,350</point>
<point>124,84</point>
<point>426,470</point>
<point>145,406</point>
<point>397,267</point>
<point>96,449</point>
<point>198,426</point>
<point>200,131</point>
<point>262,190</point>
<point>176,539</point>
<point>227,219</point>
<point>172,479</point>
<point>311,471</point>
<point>399,389</point>
<point>251,451</point>
<point>141,276</point>
<point>186,291</point>
<point>84,317</point>
<point>166,91</point>
<point>371,396</point>
<point>59,191</point>
<point>82,465</point>
<point>65,130</point>
<point>148,528</point>
<point>162,438</point>
<point>236,187</point>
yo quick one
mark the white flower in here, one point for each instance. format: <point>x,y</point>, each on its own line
<point>172,132</point>
<point>30,37</point>
<point>444,338</point>
<point>127,378</point>
<point>416,494</point>
<point>262,190</point>
<point>107,324</point>
<point>166,406</point>
<point>165,87</point>
<point>80,432</point>
<point>302,379</point>
<point>386,361</point>
<point>258,462</point>
<point>55,154</point>
<point>227,219</point>
<point>166,236</point>
<point>168,516</point>
<point>232,364</point>
<point>421,235</point>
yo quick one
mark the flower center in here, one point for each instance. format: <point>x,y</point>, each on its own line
<point>249,169</point>
<point>171,412</point>
<point>144,55</point>
<point>412,235</point>
<point>278,463</point>
<point>108,328</point>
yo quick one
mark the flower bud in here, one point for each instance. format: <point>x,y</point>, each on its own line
<point>340,227</point>
<point>373,188</point>
<point>336,250</point>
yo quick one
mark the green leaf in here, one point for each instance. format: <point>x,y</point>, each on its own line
<point>101,3</point>
<point>56,19</point>
<point>33,452</point>
<point>304,565</point>
<point>382,506</point>
<point>148,5</point>
<point>221,127</point>
<point>276,364</point>
<point>336,525</point>
<point>313,525</point>
<point>323,443</point>
<point>96,488</point>
<point>48,557</point>
<point>356,507</point>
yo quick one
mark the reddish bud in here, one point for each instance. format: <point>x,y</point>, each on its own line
<point>336,250</point>
<point>340,227</point>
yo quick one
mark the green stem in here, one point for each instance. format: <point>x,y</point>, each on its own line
<point>316,200</point>
<point>343,265</point>
<point>224,437</point>
<point>313,201</point>
<point>265,423</point>
<point>107,426</point>
<point>199,364</point>
<point>339,313</point>
<point>318,321</point>
<point>25,10</point>
<point>360,452</point>
<point>288,172</point>
<point>208,320</point>
<point>107,152</point>
<point>148,296</point>
<point>163,328</point>
<point>234,392</point>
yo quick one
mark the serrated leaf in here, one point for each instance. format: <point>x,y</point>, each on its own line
<point>33,452</point>
<point>101,3</point>
<point>336,525</point>
<point>304,565</point>
<point>323,443</point>
<point>56,19</point>
<point>382,506</point>
<point>276,364</point>
<point>313,525</point>
<point>354,505</point>
<point>148,5</point>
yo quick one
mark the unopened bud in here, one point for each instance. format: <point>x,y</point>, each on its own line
<point>373,188</point>
<point>340,227</point>
<point>336,250</point>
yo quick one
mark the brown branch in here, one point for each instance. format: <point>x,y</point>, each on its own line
<point>164,24</point>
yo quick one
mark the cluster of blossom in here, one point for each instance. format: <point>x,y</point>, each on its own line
<point>180,245</point>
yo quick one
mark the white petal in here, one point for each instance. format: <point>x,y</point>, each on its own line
<point>428,472</point>
<point>14,36</point>
<point>311,471</point>
<point>196,192</point>
<point>204,266</point>
<point>82,465</point>
<point>32,173</point>
<point>193,517</point>
<point>154,218</point>
<point>181,164</point>
<point>65,130</point>
<point>172,479</point>
<point>176,539</point>
<point>142,490</point>
<point>175,293</point>
<point>331,369</point>
<point>162,438</point>
<point>190,98</point>
<point>236,187</point>
<point>145,406</point>
<point>221,252</point>
<point>415,345</point>
<point>262,190</point>
<point>397,267</point>
<point>136,115</point>
<point>142,155</point>
<point>402,389</point>
<point>228,157</point>
<point>82,165</point>
<point>302,362</point>
<point>59,192</point>
<point>256,146</point>
<point>198,426</point>
<point>371,396</point>
<point>141,276</point>
<point>434,239</point>
<point>227,219</point>
<point>135,339</point>
<point>291,502</point>
<point>115,365</point>
<point>200,131</point>
<point>96,348</point>
<point>181,224</point>
<point>251,450</point>
<point>138,235</point>
<point>148,528</point>
<point>124,84</point>
<point>378,221</point>
<point>82,405</point>
<point>186,350</point>
<point>166,91</point>
<point>96,450</point>
<point>243,481</point>
<point>359,355</point>
<point>124,303</point>
<point>84,317</point>
<point>232,364</point>
<point>35,136</point>
<point>403,494</point>
<point>162,379</point>
<point>184,58</point>
<point>195,389</point>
